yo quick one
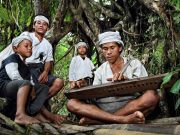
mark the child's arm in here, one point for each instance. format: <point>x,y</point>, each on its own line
<point>12,71</point>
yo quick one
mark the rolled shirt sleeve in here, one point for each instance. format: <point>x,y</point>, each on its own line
<point>137,69</point>
<point>49,53</point>
<point>12,71</point>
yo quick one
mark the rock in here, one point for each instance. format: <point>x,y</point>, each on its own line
<point>120,132</point>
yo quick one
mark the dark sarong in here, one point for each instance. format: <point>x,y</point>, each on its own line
<point>36,69</point>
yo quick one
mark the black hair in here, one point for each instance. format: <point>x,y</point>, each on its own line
<point>109,30</point>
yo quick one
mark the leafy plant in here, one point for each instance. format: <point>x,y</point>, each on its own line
<point>175,89</point>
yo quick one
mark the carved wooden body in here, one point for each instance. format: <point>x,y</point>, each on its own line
<point>119,88</point>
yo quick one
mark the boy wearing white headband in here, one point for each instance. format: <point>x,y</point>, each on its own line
<point>81,67</point>
<point>124,109</point>
<point>14,79</point>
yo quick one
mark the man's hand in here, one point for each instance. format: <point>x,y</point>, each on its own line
<point>43,78</point>
<point>81,83</point>
<point>78,84</point>
<point>72,84</point>
<point>117,77</point>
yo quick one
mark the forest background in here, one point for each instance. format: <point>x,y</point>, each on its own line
<point>150,30</point>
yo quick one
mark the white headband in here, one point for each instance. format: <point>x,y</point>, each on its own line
<point>41,17</point>
<point>110,36</point>
<point>81,44</point>
<point>17,40</point>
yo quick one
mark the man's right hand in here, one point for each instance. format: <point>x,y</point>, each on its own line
<point>117,77</point>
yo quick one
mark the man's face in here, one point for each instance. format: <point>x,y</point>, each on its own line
<point>40,27</point>
<point>82,50</point>
<point>111,51</point>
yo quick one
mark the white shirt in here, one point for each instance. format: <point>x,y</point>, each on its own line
<point>134,70</point>
<point>12,70</point>
<point>43,48</point>
<point>80,68</point>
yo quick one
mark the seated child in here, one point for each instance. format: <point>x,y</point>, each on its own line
<point>81,67</point>
<point>16,85</point>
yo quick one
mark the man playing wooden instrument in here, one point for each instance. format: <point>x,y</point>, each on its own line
<point>118,109</point>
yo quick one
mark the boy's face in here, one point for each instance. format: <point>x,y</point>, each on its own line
<point>40,26</point>
<point>111,51</point>
<point>82,50</point>
<point>24,48</point>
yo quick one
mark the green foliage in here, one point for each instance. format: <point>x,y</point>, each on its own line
<point>176,3</point>
<point>4,15</point>
<point>61,68</point>
<point>15,17</point>
<point>176,21</point>
<point>176,18</point>
<point>166,79</point>
<point>26,17</point>
<point>63,111</point>
<point>68,18</point>
<point>53,6</point>
<point>176,14</point>
<point>175,89</point>
<point>156,56</point>
<point>2,47</point>
<point>177,104</point>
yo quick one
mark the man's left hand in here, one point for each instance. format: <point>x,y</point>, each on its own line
<point>81,83</point>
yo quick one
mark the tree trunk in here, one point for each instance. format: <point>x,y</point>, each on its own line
<point>41,7</point>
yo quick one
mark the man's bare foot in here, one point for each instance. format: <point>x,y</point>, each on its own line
<point>56,118</point>
<point>136,117</point>
<point>41,118</point>
<point>87,121</point>
<point>24,119</point>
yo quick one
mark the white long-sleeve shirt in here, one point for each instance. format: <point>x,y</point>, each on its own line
<point>80,68</point>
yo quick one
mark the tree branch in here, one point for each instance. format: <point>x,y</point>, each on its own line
<point>79,19</point>
<point>105,11</point>
<point>91,17</point>
<point>67,52</point>
<point>57,31</point>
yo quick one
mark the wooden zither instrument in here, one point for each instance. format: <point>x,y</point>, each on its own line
<point>120,88</point>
